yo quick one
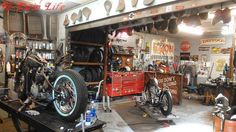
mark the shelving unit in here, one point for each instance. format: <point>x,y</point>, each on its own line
<point>87,43</point>
<point>92,83</point>
<point>87,64</point>
<point>20,42</point>
<point>42,46</point>
<point>120,54</point>
<point>20,47</point>
<point>94,42</point>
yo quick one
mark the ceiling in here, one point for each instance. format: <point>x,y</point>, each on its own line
<point>68,3</point>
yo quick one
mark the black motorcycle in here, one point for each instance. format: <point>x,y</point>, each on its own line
<point>36,80</point>
<point>157,97</point>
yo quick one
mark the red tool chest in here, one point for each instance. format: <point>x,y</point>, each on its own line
<point>125,83</point>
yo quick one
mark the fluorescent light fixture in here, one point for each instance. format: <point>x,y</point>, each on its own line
<point>191,30</point>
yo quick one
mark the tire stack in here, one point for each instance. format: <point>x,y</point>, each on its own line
<point>92,74</point>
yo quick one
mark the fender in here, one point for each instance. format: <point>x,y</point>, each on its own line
<point>165,90</point>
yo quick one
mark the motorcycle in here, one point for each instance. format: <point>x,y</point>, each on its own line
<point>224,116</point>
<point>157,97</point>
<point>66,89</point>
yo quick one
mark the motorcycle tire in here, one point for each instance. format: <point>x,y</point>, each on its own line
<point>80,90</point>
<point>166,97</point>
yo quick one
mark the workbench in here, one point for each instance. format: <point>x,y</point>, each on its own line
<point>47,121</point>
<point>211,90</point>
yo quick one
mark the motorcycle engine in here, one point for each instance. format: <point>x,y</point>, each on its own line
<point>38,88</point>
<point>154,91</point>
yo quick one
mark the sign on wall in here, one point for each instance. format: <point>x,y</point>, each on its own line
<point>211,41</point>
<point>185,56</point>
<point>162,48</point>
<point>185,45</point>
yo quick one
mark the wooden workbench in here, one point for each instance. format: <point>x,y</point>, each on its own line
<point>173,81</point>
<point>47,121</point>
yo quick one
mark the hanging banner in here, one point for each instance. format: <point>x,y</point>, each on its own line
<point>212,41</point>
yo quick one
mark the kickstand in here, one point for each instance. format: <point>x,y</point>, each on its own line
<point>106,103</point>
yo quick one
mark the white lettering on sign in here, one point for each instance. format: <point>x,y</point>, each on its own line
<point>169,82</point>
<point>210,41</point>
<point>173,91</point>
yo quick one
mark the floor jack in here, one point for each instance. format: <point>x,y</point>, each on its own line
<point>153,112</point>
<point>105,99</point>
<point>106,105</point>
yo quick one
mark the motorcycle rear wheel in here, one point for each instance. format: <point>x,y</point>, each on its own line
<point>166,107</point>
<point>73,97</point>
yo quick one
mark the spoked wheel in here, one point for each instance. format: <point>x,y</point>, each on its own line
<point>70,95</point>
<point>166,107</point>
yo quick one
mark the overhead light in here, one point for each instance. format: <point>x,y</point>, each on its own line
<point>191,30</point>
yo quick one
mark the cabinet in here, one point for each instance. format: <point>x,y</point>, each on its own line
<point>125,83</point>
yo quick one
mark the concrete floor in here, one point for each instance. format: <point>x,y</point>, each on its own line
<point>125,117</point>
<point>193,117</point>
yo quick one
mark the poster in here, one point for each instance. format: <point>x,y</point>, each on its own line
<point>218,62</point>
<point>215,50</point>
<point>162,48</point>
<point>194,57</point>
<point>225,50</point>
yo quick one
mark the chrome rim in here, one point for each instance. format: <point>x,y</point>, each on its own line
<point>165,102</point>
<point>65,97</point>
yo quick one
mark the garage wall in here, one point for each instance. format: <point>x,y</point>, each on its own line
<point>130,41</point>
<point>211,58</point>
<point>195,44</point>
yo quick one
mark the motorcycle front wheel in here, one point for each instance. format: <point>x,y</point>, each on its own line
<point>166,100</point>
<point>70,95</point>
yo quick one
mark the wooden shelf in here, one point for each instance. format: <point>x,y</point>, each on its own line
<point>92,83</point>
<point>87,63</point>
<point>37,39</point>
<point>123,54</point>
<point>20,47</point>
<point>10,74</point>
<point>86,43</point>
<point>45,50</point>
